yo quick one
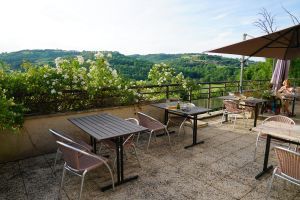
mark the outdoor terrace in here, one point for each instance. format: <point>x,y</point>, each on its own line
<point>221,168</point>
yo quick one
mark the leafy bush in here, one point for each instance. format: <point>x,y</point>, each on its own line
<point>11,114</point>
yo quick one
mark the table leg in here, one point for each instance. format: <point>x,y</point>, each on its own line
<point>293,106</point>
<point>166,116</point>
<point>266,159</point>
<point>195,126</point>
<point>255,115</point>
<point>93,144</point>
<point>120,166</point>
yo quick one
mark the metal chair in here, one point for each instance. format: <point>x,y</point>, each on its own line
<point>127,144</point>
<point>153,125</point>
<point>263,137</point>
<point>180,120</point>
<point>79,162</point>
<point>59,136</point>
<point>288,169</point>
<point>233,110</point>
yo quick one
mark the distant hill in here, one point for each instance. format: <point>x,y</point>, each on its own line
<point>197,66</point>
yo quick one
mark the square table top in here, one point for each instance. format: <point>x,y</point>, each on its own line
<point>104,126</point>
<point>280,130</point>
<point>189,111</point>
<point>250,100</point>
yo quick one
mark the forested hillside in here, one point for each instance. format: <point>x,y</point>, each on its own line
<point>194,65</point>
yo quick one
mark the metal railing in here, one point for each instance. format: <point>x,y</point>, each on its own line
<point>203,94</point>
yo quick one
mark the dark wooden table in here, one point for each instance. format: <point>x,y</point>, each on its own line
<point>253,102</point>
<point>106,126</point>
<point>191,113</point>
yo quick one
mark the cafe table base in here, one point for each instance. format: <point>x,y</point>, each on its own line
<point>195,129</point>
<point>120,167</point>
<point>267,168</point>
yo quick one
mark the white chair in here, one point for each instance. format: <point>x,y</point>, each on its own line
<point>233,111</point>
<point>262,137</point>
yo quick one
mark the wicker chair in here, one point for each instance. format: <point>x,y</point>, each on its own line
<point>262,137</point>
<point>232,110</point>
<point>59,136</point>
<point>153,125</point>
<point>288,169</point>
<point>79,162</point>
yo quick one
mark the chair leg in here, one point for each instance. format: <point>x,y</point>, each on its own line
<point>168,136</point>
<point>55,161</point>
<point>137,139</point>
<point>234,122</point>
<point>149,140</point>
<point>111,175</point>
<point>135,154</point>
<point>270,183</point>
<point>63,177</point>
<point>256,144</point>
<point>81,186</point>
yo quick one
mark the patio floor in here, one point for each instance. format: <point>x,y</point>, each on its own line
<point>221,168</point>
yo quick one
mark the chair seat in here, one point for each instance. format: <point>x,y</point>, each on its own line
<point>89,163</point>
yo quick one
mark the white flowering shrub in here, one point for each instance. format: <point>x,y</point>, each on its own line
<point>163,74</point>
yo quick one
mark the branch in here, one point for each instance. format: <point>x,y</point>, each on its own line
<point>293,17</point>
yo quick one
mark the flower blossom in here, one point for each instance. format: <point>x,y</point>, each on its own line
<point>99,55</point>
<point>80,60</point>
<point>53,91</point>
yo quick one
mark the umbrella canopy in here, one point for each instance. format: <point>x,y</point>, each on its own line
<point>280,73</point>
<point>284,44</point>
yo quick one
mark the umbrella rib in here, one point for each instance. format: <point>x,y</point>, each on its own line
<point>270,43</point>
<point>286,44</point>
<point>289,45</point>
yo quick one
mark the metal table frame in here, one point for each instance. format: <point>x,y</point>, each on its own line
<point>267,168</point>
<point>255,106</point>
<point>192,116</point>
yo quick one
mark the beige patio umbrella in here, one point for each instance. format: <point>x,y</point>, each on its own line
<point>284,44</point>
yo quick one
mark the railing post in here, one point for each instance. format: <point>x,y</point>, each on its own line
<point>209,95</point>
<point>238,87</point>
<point>167,92</point>
<point>190,95</point>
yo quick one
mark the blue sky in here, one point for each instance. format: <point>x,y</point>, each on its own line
<point>133,26</point>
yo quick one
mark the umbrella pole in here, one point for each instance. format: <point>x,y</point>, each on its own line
<point>242,67</point>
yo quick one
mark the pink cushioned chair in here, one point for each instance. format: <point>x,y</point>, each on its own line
<point>79,162</point>
<point>153,125</point>
<point>59,136</point>
<point>288,168</point>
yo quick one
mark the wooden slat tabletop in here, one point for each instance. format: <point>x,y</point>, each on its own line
<point>190,111</point>
<point>104,126</point>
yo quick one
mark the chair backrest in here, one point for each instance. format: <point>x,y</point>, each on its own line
<point>289,162</point>
<point>280,118</point>
<point>71,154</point>
<point>231,106</point>
<point>133,120</point>
<point>59,136</point>
<point>149,122</point>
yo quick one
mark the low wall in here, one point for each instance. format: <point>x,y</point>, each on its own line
<point>34,139</point>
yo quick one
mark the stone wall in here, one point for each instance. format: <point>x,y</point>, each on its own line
<point>34,139</point>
